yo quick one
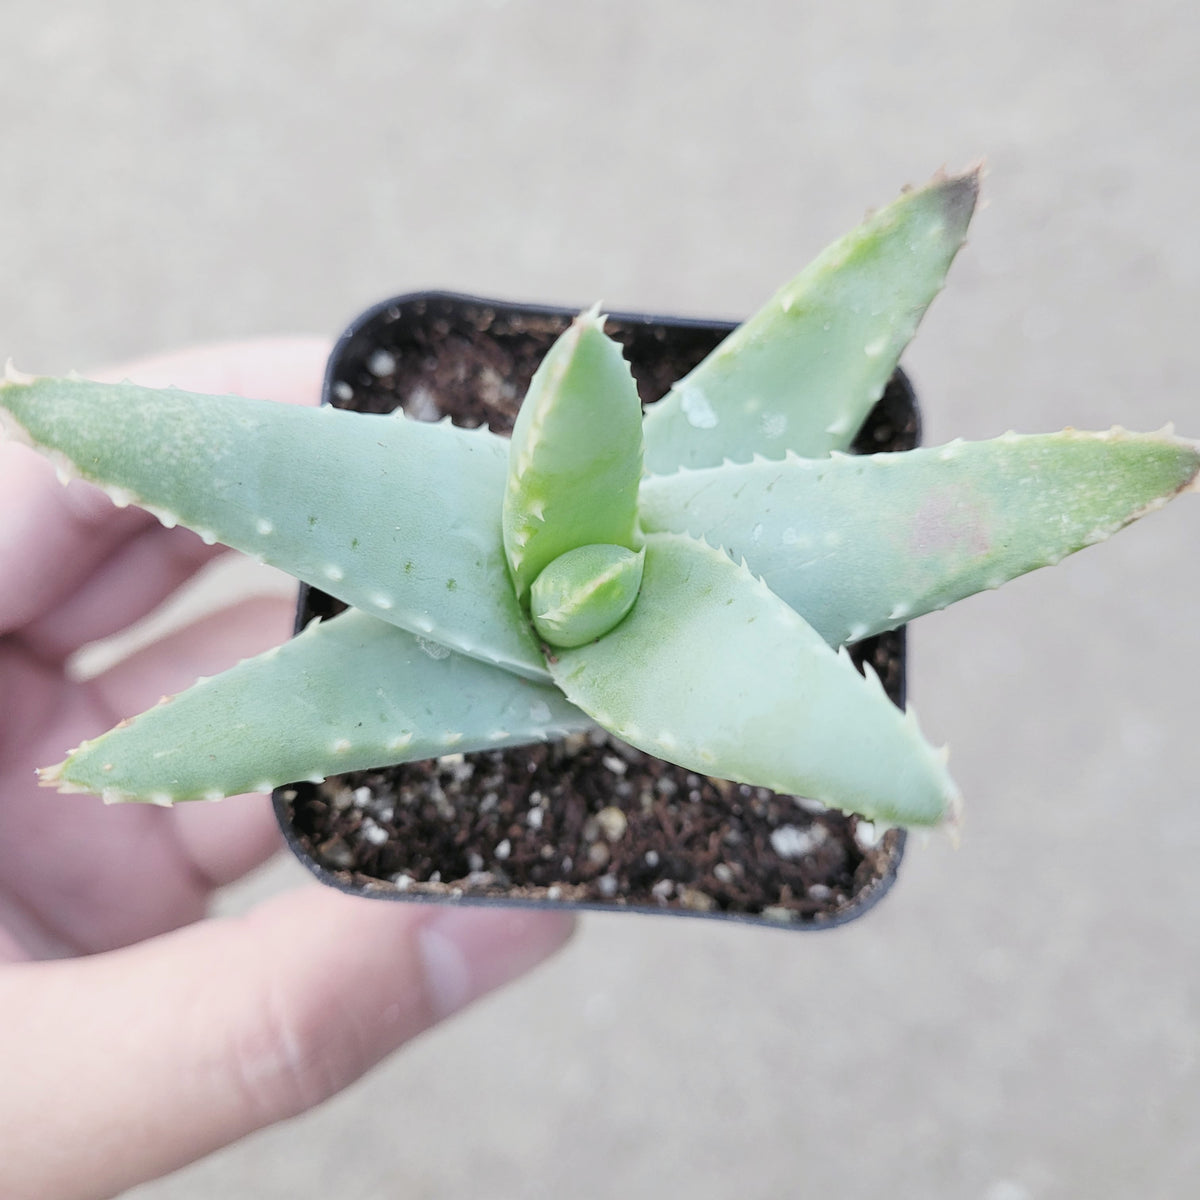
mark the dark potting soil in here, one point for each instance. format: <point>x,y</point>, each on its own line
<point>587,819</point>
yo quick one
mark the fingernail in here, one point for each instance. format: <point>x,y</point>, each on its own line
<point>467,952</point>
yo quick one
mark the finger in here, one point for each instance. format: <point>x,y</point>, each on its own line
<point>286,369</point>
<point>225,840</point>
<point>53,536</point>
<point>128,584</point>
<point>60,535</point>
<point>211,644</point>
<point>139,1061</point>
<point>60,855</point>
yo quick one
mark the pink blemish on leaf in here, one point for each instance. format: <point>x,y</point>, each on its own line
<point>948,523</point>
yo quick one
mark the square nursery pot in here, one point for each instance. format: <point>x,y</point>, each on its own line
<point>588,821</point>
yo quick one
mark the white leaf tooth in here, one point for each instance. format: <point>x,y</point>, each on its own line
<point>341,746</point>
<point>840,426</point>
<point>166,518</point>
<point>872,678</point>
<point>451,738</point>
<point>12,375</point>
<point>121,497</point>
<point>913,721</point>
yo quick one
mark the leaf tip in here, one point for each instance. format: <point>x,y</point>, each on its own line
<point>959,195</point>
<point>52,775</point>
<point>12,376</point>
<point>55,777</point>
<point>593,316</point>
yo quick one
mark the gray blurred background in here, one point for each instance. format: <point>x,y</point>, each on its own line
<point>1020,1020</point>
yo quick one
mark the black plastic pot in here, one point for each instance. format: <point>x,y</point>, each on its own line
<point>588,823</point>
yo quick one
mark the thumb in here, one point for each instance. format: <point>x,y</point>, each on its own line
<point>127,1065</point>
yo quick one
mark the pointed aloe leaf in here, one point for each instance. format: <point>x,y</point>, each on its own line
<point>862,544</point>
<point>712,671</point>
<point>344,695</point>
<point>399,518</point>
<point>802,373</point>
<point>576,454</point>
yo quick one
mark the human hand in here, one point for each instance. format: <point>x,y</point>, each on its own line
<point>147,1036</point>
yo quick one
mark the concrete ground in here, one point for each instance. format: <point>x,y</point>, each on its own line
<point>1020,1020</point>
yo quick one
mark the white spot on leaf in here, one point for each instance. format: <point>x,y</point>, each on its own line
<point>774,425</point>
<point>697,411</point>
<point>435,650</point>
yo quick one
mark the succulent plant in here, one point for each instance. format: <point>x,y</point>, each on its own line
<point>687,579</point>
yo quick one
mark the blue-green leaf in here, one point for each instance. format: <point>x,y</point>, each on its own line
<point>803,372</point>
<point>859,544</point>
<point>344,695</point>
<point>714,672</point>
<point>398,517</point>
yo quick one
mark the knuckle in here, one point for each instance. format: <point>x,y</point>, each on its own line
<point>292,1058</point>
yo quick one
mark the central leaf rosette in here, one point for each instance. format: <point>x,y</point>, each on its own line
<point>663,639</point>
<point>570,516</point>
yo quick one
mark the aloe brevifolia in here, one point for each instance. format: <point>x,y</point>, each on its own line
<point>688,580</point>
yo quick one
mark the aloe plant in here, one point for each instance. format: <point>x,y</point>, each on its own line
<point>687,579</point>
